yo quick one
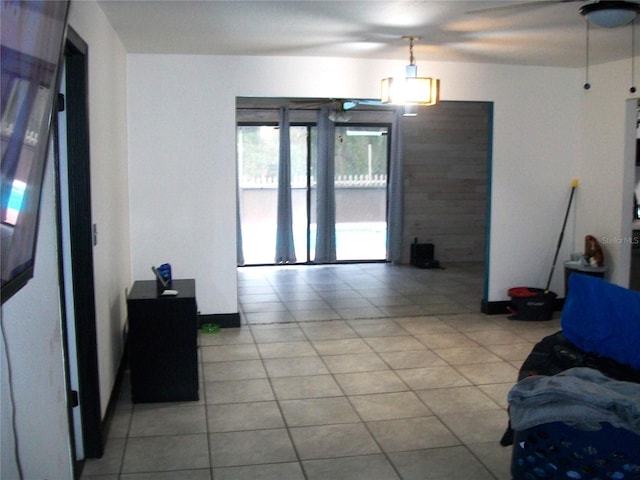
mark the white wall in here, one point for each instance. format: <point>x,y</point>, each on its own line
<point>31,323</point>
<point>606,169</point>
<point>535,155</point>
<point>109,184</point>
<point>182,156</point>
<point>182,197</point>
<point>31,319</point>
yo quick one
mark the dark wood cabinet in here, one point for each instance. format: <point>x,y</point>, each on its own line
<point>163,342</point>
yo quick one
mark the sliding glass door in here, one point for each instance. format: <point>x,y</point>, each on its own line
<point>361,160</point>
<point>358,191</point>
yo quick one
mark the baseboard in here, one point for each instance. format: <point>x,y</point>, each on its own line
<point>501,307</point>
<point>494,308</point>
<point>225,320</point>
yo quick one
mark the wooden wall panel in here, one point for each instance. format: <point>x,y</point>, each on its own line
<point>446,154</point>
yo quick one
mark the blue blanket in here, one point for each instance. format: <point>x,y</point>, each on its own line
<point>603,318</point>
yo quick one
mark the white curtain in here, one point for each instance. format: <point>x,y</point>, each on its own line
<point>285,250</point>
<point>395,211</point>
<point>325,191</point>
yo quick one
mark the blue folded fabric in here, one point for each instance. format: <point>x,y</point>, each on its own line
<point>583,397</point>
<point>603,318</point>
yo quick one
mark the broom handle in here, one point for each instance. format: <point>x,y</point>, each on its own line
<point>564,224</point>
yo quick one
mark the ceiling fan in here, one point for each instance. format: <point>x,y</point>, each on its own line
<point>339,107</point>
<point>603,13</point>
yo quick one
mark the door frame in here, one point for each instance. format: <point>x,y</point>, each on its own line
<point>81,244</point>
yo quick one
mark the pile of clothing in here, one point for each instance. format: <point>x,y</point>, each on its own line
<point>557,372</point>
<point>581,397</point>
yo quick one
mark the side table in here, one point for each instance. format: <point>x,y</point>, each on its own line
<point>163,342</point>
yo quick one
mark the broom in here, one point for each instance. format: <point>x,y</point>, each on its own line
<point>574,184</point>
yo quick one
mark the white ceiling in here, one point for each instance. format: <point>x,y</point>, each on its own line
<point>548,33</point>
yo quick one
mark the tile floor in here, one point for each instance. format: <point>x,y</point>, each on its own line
<point>366,371</point>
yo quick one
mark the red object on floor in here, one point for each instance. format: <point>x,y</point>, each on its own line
<point>523,292</point>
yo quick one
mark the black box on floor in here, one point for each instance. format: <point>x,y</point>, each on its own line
<point>531,303</point>
<point>422,254</point>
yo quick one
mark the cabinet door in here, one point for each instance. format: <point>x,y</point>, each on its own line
<point>163,350</point>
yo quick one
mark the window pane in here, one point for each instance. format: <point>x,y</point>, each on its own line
<point>313,186</point>
<point>298,137</point>
<point>361,192</point>
<point>258,178</point>
<point>258,162</point>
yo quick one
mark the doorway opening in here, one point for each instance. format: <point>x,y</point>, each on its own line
<point>439,190</point>
<point>325,183</point>
<point>75,242</point>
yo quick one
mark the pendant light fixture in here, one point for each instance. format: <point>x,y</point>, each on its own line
<point>632,89</point>
<point>636,9</point>
<point>587,85</point>
<point>410,90</point>
<point>610,13</point>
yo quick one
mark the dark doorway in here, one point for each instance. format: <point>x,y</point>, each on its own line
<point>76,240</point>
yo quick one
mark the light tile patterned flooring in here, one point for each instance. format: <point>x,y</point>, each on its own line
<point>360,371</point>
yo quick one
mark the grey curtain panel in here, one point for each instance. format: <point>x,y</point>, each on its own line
<point>325,190</point>
<point>285,250</point>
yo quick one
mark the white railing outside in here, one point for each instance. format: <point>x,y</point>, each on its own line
<point>301,181</point>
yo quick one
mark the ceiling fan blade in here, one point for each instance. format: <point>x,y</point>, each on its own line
<point>349,104</point>
<point>374,102</point>
<point>337,104</point>
<point>310,103</point>
<point>518,6</point>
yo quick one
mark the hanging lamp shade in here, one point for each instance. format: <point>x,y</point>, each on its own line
<point>411,89</point>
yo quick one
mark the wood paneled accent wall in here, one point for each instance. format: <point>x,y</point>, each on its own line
<point>446,179</point>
